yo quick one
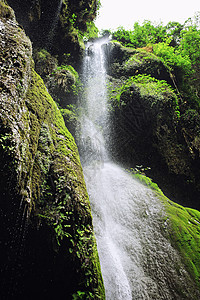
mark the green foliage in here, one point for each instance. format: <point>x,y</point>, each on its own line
<point>67,68</point>
<point>173,32</point>
<point>190,44</point>
<point>178,47</point>
<point>98,4</point>
<point>56,214</point>
<point>149,33</point>
<point>6,143</point>
<point>79,295</point>
<point>173,58</point>
<point>182,63</point>
<point>141,35</point>
<point>91,32</point>
<point>72,19</point>
<point>105,32</point>
<point>148,80</point>
<point>84,296</point>
<point>147,85</point>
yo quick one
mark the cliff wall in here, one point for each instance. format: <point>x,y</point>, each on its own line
<point>49,249</point>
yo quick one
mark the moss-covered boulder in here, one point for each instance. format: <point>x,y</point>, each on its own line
<point>64,85</point>
<point>152,124</point>
<point>48,245</point>
<point>126,62</point>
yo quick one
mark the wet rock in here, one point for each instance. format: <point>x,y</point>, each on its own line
<point>149,127</point>
<point>47,238</point>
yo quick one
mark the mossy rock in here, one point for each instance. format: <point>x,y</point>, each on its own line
<point>181,226</point>
<point>56,26</point>
<point>42,186</point>
<point>125,62</point>
<point>6,11</point>
<point>45,63</point>
<point>152,125</point>
<point>64,85</point>
<point>144,62</point>
<point>143,107</point>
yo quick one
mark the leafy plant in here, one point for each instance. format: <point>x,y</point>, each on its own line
<point>79,295</point>
<point>72,19</point>
<point>173,58</point>
<point>91,32</point>
<point>6,142</point>
<point>141,35</point>
<point>147,84</point>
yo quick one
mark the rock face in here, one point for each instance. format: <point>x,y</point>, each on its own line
<point>56,25</point>
<point>149,127</point>
<point>49,248</point>
<point>180,225</point>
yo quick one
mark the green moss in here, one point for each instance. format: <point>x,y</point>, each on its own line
<point>59,192</point>
<point>5,10</point>
<point>153,91</point>
<point>45,63</point>
<point>184,230</point>
<point>43,54</point>
<point>43,110</point>
<point>152,87</point>
<point>148,182</point>
<point>47,177</point>
<point>67,79</point>
<point>141,56</point>
<point>182,227</point>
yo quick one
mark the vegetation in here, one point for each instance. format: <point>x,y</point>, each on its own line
<point>49,170</point>
<point>172,57</point>
<point>149,33</point>
<point>58,192</point>
<point>157,91</point>
<point>141,35</point>
<point>175,44</point>
<point>154,89</point>
<point>92,31</point>
<point>78,19</point>
<point>41,155</point>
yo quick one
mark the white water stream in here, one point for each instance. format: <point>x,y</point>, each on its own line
<point>137,261</point>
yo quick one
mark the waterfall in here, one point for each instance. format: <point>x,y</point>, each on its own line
<point>137,260</point>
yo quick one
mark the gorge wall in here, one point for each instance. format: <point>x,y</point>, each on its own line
<point>48,245</point>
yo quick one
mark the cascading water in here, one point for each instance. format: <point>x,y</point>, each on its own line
<point>137,261</point>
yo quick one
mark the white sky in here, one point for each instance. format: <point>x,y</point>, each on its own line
<point>114,13</point>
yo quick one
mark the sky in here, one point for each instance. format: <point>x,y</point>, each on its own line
<point>115,13</point>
